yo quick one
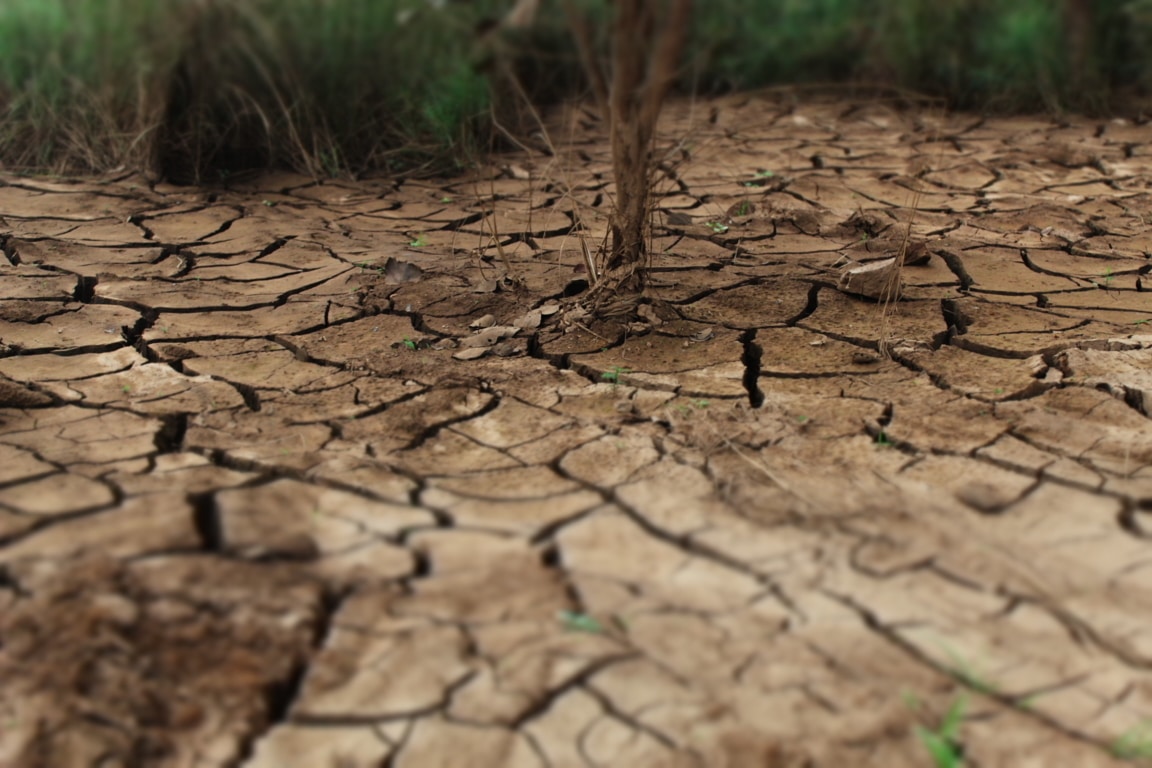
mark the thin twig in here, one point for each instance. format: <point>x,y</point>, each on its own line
<point>578,23</point>
<point>775,478</point>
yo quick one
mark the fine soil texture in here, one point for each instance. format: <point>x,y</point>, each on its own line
<point>340,475</point>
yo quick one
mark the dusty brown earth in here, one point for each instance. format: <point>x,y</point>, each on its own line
<point>259,508</point>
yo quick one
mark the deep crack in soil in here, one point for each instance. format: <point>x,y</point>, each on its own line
<point>299,473</point>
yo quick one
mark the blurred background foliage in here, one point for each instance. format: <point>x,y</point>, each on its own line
<point>196,89</point>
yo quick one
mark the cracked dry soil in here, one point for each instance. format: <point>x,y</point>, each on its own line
<point>255,512</point>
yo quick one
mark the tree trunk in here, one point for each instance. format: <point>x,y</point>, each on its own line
<point>645,59</point>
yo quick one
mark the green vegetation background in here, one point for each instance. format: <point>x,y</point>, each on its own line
<point>198,88</point>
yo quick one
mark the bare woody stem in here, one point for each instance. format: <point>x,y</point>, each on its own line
<point>645,61</point>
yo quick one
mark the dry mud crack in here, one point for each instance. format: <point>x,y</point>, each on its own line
<point>309,474</point>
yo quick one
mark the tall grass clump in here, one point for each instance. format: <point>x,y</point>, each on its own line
<point>346,85</point>
<point>739,44</point>
<point>77,81</point>
<point>192,88</point>
<point>978,54</point>
<point>326,87</point>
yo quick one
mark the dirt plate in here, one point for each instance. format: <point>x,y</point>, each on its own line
<point>315,474</point>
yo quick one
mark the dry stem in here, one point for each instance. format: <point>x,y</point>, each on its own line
<point>645,58</point>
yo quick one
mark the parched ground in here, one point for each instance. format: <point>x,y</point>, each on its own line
<point>314,474</point>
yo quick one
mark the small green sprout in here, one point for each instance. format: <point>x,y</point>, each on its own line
<point>1026,702</point>
<point>686,410</point>
<point>1145,321</point>
<point>419,242</point>
<point>613,374</point>
<point>967,674</point>
<point>717,227</point>
<point>580,622</point>
<point>446,199</point>
<point>1135,743</point>
<point>943,743</point>
<point>760,176</point>
<point>268,203</point>
<point>882,439</point>
<point>410,344</point>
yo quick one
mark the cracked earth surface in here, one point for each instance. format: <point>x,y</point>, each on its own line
<point>259,508</point>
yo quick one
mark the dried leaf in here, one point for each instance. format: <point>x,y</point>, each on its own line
<point>472,353</point>
<point>704,335</point>
<point>487,321</point>
<point>917,254</point>
<point>396,271</point>
<point>489,336</point>
<point>507,349</point>
<point>879,280</point>
<point>528,321</point>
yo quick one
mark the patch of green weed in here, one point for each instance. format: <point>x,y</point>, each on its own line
<point>1135,743</point>
<point>189,88</point>
<point>717,227</point>
<point>580,622</point>
<point>612,375</point>
<point>334,87</point>
<point>943,742</point>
